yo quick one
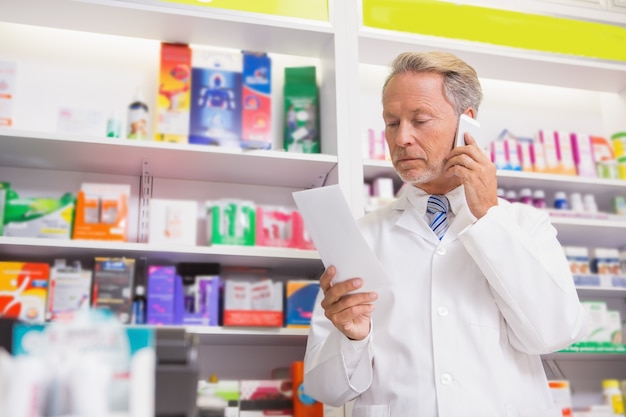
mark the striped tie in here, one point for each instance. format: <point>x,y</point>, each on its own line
<point>437,208</point>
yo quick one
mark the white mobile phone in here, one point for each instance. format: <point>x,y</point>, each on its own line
<point>467,124</point>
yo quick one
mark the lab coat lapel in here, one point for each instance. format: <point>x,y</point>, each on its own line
<point>412,220</point>
<point>462,219</point>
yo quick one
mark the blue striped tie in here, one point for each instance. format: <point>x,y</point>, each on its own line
<point>437,208</point>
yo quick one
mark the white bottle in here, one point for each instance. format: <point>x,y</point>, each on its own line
<point>511,195</point>
<point>576,202</point>
<point>137,123</point>
<point>589,203</point>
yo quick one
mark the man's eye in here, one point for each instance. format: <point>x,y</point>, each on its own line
<point>392,124</point>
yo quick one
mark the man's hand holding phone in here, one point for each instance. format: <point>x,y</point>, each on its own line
<point>467,124</point>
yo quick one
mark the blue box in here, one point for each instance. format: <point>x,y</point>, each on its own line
<point>215,115</point>
<point>161,292</point>
<point>300,301</point>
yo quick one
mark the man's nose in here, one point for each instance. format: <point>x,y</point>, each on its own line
<point>406,134</point>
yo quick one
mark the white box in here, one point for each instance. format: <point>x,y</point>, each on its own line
<point>173,221</point>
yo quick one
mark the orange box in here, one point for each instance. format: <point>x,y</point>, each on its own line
<point>24,290</point>
<point>174,98</point>
<point>102,212</point>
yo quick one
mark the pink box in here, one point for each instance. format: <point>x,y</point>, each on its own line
<point>274,227</point>
<point>582,151</point>
<point>565,153</point>
<point>548,139</point>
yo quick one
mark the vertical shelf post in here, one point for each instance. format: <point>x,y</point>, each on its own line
<point>145,194</point>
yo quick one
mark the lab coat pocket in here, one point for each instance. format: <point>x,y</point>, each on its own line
<point>532,412</point>
<point>381,410</point>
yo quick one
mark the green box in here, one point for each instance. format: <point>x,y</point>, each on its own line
<point>231,222</point>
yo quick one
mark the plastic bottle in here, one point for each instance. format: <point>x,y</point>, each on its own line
<point>539,199</point>
<point>526,196</point>
<point>589,203</point>
<point>560,201</point>
<point>612,395</point>
<point>511,195</point>
<point>139,305</point>
<point>114,125</point>
<point>576,202</point>
<point>137,125</point>
<point>303,405</point>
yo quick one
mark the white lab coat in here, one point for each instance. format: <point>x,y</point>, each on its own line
<point>460,330</point>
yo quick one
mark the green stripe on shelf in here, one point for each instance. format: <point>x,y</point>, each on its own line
<point>499,27</point>
<point>304,9</point>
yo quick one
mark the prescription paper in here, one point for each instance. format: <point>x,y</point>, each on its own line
<point>337,237</point>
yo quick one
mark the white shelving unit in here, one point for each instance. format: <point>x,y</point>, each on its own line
<point>34,158</point>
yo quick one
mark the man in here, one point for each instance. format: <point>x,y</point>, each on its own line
<point>472,305</point>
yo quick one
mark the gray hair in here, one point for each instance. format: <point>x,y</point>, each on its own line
<point>460,81</point>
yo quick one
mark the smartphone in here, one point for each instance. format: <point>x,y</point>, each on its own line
<point>467,124</point>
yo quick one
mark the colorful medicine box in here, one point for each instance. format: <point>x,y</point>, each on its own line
<point>197,303</point>
<point>41,217</point>
<point>259,398</point>
<point>231,222</point>
<point>102,212</point>
<point>253,303</point>
<point>215,98</point>
<point>113,281</point>
<point>173,100</point>
<point>24,290</point>
<point>173,221</point>
<point>161,294</point>
<point>256,118</point>
<point>300,298</point>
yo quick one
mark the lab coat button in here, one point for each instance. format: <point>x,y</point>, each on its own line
<point>442,311</point>
<point>445,379</point>
<point>441,251</point>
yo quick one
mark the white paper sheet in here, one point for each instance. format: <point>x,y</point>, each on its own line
<point>337,237</point>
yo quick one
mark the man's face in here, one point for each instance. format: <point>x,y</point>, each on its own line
<point>420,125</point>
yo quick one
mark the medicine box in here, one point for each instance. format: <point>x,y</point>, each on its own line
<point>300,296</point>
<point>256,119</point>
<point>231,222</point>
<point>173,221</point>
<point>197,300</point>
<point>259,398</point>
<point>582,152</point>
<point>102,212</point>
<point>160,295</point>
<point>24,290</point>
<point>253,302</point>
<point>70,289</point>
<point>173,100</point>
<point>42,217</point>
<point>215,117</point>
<point>274,226</point>
<point>565,153</point>
<point>113,281</point>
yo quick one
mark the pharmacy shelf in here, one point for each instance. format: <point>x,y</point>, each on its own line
<point>54,151</point>
<point>600,187</point>
<point>589,232</point>
<point>575,356</point>
<point>169,22</point>
<point>379,47</point>
<point>305,263</point>
<point>520,179</point>
<point>270,336</point>
<point>601,292</point>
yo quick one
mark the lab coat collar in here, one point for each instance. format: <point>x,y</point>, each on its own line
<point>412,203</point>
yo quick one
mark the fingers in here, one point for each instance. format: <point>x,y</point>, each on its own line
<point>349,311</point>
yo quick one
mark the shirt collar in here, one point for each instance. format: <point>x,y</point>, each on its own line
<point>418,198</point>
